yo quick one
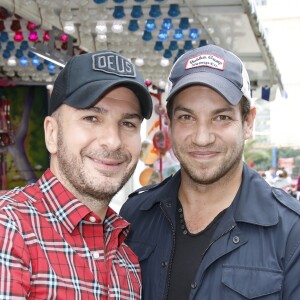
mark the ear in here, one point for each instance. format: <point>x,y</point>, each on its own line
<point>249,123</point>
<point>51,132</point>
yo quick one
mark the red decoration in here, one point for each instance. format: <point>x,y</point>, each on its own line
<point>33,36</point>
<point>31,26</point>
<point>18,37</point>
<point>5,123</point>
<point>46,36</point>
<point>3,13</point>
<point>64,46</point>
<point>2,27</point>
<point>15,25</point>
<point>161,141</point>
<point>64,38</point>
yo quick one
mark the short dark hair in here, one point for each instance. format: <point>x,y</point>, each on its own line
<point>245,106</point>
<point>170,108</point>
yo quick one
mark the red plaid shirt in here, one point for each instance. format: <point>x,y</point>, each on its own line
<point>53,247</point>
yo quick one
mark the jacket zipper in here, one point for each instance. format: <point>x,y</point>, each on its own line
<point>172,253</point>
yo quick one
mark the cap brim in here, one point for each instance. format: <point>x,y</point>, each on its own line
<point>220,84</point>
<point>88,94</point>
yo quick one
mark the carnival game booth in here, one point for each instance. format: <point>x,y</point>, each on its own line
<point>38,37</point>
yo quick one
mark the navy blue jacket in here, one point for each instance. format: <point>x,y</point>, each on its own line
<point>254,253</point>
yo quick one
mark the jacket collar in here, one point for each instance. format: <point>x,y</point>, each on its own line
<point>166,192</point>
<point>255,204</point>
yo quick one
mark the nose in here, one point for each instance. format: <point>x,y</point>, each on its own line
<point>110,137</point>
<point>203,135</point>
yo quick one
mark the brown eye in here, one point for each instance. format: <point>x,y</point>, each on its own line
<point>185,117</point>
<point>90,118</point>
<point>222,118</point>
<point>129,124</point>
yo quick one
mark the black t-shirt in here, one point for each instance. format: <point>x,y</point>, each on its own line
<point>189,250</point>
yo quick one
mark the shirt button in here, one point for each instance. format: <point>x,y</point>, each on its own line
<point>92,219</point>
<point>236,239</point>
<point>96,255</point>
<point>194,285</point>
<point>164,264</point>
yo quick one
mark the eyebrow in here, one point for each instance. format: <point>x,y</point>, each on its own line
<point>225,109</point>
<point>216,111</point>
<point>101,110</point>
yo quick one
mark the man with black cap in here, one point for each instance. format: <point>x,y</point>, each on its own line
<point>215,230</point>
<point>58,237</point>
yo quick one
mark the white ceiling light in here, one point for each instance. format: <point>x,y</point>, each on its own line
<point>69,27</point>
<point>101,27</point>
<point>162,84</point>
<point>164,62</point>
<point>101,38</point>
<point>12,61</point>
<point>49,87</point>
<point>139,61</point>
<point>117,27</point>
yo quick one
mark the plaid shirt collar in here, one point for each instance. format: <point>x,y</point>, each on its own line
<point>69,210</point>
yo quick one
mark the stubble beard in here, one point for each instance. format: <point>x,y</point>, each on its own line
<point>203,173</point>
<point>82,184</point>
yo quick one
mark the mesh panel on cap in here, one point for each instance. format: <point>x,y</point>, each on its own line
<point>59,91</point>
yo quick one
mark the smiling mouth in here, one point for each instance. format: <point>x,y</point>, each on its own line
<point>107,164</point>
<point>203,153</point>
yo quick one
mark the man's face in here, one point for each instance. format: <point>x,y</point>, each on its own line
<point>98,148</point>
<point>208,134</point>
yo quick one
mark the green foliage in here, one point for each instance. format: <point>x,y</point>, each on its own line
<point>37,152</point>
<point>256,155</point>
<point>288,152</point>
<point>34,144</point>
<point>262,156</point>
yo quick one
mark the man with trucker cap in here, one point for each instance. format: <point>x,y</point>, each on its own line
<point>215,230</point>
<point>59,239</point>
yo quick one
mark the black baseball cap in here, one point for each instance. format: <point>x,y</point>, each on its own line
<point>86,78</point>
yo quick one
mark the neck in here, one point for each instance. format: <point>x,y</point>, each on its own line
<point>207,200</point>
<point>98,206</point>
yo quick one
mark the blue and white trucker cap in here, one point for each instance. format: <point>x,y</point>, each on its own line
<point>86,78</point>
<point>214,67</point>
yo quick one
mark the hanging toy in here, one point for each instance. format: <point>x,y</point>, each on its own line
<point>161,141</point>
<point>149,176</point>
